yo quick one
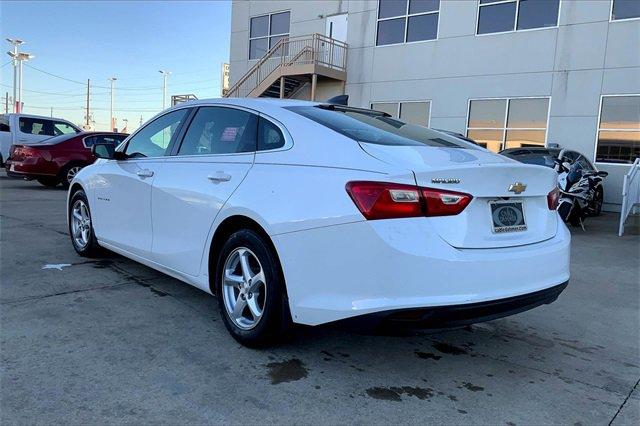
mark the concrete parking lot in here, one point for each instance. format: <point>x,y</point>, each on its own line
<point>111,341</point>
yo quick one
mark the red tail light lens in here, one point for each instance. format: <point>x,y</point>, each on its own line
<point>381,200</point>
<point>552,199</point>
<point>445,203</point>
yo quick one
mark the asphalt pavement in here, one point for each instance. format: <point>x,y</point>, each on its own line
<point>111,341</point>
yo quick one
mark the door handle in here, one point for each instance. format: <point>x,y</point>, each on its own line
<point>219,177</point>
<point>144,173</point>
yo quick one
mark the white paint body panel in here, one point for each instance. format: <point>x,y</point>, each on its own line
<point>336,264</point>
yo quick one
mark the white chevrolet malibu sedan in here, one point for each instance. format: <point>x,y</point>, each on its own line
<point>309,213</point>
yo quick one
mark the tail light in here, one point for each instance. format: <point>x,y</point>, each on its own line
<point>23,151</point>
<point>552,198</point>
<point>381,200</point>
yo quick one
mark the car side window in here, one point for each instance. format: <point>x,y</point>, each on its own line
<point>154,139</point>
<point>61,128</point>
<point>114,140</point>
<point>33,126</point>
<point>4,124</point>
<point>220,130</point>
<point>269,136</point>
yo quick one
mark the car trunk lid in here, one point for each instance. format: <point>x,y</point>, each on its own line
<point>493,181</point>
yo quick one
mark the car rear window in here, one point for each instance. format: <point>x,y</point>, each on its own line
<point>377,128</point>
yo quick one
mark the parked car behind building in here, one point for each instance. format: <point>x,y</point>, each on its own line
<point>57,159</point>
<point>27,129</point>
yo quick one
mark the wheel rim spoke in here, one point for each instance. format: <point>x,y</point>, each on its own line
<point>232,280</point>
<point>244,265</point>
<point>238,309</point>
<point>256,281</point>
<point>255,310</point>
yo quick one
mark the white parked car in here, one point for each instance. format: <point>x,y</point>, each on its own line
<point>25,129</point>
<point>294,211</point>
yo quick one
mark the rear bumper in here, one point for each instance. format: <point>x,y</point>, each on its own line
<point>32,169</point>
<point>387,266</point>
<point>459,315</point>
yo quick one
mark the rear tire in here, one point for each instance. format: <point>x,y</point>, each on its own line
<point>564,211</point>
<point>50,182</point>
<point>248,282</point>
<point>81,226</point>
<point>598,200</point>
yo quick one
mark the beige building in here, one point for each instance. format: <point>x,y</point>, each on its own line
<point>507,73</point>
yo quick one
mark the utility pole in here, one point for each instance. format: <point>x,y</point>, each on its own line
<point>51,112</point>
<point>14,59</point>
<point>88,93</point>
<point>112,123</point>
<point>6,102</point>
<point>165,74</point>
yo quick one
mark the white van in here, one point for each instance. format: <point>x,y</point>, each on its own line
<point>25,129</point>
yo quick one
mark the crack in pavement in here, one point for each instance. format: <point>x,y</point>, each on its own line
<point>33,224</point>
<point>62,293</point>
<point>624,402</point>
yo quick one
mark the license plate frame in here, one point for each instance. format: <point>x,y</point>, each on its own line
<point>507,216</point>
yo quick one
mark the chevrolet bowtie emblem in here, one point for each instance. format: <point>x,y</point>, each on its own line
<point>517,187</point>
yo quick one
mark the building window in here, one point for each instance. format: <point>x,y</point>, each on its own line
<point>412,112</point>
<point>619,129</point>
<point>497,124</point>
<point>497,16</point>
<point>405,21</point>
<point>265,31</point>
<point>625,9</point>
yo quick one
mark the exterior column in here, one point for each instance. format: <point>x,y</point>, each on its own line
<point>281,87</point>
<point>314,82</point>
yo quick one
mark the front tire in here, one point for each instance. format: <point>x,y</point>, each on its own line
<point>81,227</point>
<point>250,290</point>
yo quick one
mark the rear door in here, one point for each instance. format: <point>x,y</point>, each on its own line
<point>215,154</point>
<point>122,204</point>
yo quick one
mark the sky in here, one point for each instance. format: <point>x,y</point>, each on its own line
<point>129,40</point>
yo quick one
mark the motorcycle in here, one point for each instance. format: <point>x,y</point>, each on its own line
<point>577,190</point>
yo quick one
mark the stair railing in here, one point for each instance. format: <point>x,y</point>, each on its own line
<point>311,49</point>
<point>630,193</point>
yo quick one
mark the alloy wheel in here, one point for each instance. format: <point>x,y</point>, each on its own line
<point>72,172</point>
<point>244,289</point>
<point>80,224</point>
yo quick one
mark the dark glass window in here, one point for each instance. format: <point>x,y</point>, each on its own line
<point>537,14</point>
<point>377,128</point>
<point>421,6</point>
<point>220,130</point>
<point>619,129</point>
<point>422,27</point>
<point>407,21</point>
<point>269,136</point>
<point>496,18</point>
<point>391,31</point>
<point>44,127</point>
<point>392,8</point>
<point>500,17</point>
<point>114,140</point>
<point>625,9</point>
<point>4,124</point>
<point>265,31</point>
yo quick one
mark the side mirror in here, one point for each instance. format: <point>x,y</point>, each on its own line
<point>107,151</point>
<point>602,173</point>
<point>103,150</point>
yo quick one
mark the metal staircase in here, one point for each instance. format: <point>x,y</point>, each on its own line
<point>290,64</point>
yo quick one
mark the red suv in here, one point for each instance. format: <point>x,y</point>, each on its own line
<point>57,159</point>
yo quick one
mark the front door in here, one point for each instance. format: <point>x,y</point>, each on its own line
<point>121,208</point>
<point>336,27</point>
<point>191,187</point>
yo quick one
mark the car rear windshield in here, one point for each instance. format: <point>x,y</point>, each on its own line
<point>378,128</point>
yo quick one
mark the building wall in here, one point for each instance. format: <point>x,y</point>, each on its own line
<point>573,64</point>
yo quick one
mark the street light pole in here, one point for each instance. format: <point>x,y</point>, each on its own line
<point>165,74</point>
<point>14,59</point>
<point>112,124</point>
